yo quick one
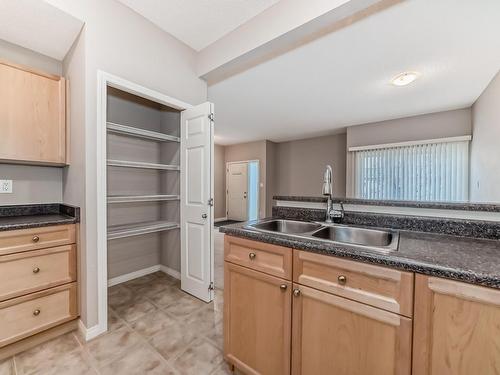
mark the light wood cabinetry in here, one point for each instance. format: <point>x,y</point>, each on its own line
<point>334,335</point>
<point>38,288</point>
<point>257,321</point>
<point>33,116</point>
<point>457,328</point>
<point>271,259</point>
<point>381,287</point>
<point>352,318</point>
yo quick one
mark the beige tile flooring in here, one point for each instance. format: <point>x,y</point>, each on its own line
<point>154,328</point>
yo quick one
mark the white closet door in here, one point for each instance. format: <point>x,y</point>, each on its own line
<point>197,260</point>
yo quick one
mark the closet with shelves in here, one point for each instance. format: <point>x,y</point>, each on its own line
<point>143,184</point>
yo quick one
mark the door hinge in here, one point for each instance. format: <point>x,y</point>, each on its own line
<point>211,202</point>
<point>211,286</point>
<point>211,117</point>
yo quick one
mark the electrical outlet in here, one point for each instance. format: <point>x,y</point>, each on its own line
<point>5,186</point>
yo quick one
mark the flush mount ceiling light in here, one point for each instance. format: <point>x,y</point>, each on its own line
<point>405,78</point>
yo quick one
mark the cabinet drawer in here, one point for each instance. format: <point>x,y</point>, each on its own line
<point>385,288</point>
<point>25,316</point>
<point>15,241</point>
<point>271,259</point>
<point>30,271</point>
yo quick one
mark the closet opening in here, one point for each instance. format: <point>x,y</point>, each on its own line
<point>143,146</point>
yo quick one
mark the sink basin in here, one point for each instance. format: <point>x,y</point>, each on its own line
<point>381,240</point>
<point>354,235</point>
<point>286,226</point>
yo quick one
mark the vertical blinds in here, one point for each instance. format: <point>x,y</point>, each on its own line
<point>434,171</point>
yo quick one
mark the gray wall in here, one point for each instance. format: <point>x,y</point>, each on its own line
<point>300,165</point>
<point>31,184</point>
<point>141,53</point>
<point>428,126</point>
<point>219,182</point>
<point>485,147</point>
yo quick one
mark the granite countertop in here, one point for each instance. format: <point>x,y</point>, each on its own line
<point>471,260</point>
<point>37,215</point>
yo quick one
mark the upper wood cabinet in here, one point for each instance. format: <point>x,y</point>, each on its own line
<point>32,116</point>
<point>456,328</point>
<point>334,335</point>
<point>257,321</point>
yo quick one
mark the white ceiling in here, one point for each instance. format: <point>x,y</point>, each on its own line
<point>343,78</point>
<point>198,23</point>
<point>38,26</point>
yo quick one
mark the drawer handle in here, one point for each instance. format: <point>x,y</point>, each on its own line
<point>35,239</point>
<point>296,292</point>
<point>342,279</point>
<point>36,312</point>
<point>283,287</point>
<point>36,270</point>
<point>252,256</point>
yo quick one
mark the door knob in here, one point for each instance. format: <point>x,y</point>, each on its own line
<point>204,216</point>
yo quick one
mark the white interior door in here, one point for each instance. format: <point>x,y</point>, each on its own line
<point>237,191</point>
<point>197,259</point>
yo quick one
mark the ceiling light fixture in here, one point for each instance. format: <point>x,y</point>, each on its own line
<point>405,78</point>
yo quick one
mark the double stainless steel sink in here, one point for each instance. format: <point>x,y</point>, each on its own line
<point>382,240</point>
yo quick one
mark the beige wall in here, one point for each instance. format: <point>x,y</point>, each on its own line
<point>219,182</point>
<point>252,151</point>
<point>485,146</point>
<point>141,53</point>
<point>428,126</point>
<point>31,184</point>
<point>300,165</point>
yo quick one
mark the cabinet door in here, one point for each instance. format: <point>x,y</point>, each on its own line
<point>457,328</point>
<point>334,335</point>
<point>257,321</point>
<point>32,116</point>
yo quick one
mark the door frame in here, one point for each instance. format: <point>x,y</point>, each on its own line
<point>228,163</point>
<point>104,80</point>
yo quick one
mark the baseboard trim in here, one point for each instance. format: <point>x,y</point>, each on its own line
<point>133,275</point>
<point>220,219</point>
<point>171,272</point>
<point>90,333</point>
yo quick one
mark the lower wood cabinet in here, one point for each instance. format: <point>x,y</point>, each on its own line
<point>457,328</point>
<point>257,321</point>
<point>334,335</point>
<point>340,317</point>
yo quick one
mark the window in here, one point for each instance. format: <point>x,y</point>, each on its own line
<point>433,170</point>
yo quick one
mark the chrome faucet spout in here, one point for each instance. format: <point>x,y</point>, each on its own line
<point>328,191</point>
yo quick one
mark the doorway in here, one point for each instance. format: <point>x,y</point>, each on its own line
<point>242,190</point>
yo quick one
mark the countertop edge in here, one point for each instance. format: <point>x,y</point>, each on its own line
<point>365,257</point>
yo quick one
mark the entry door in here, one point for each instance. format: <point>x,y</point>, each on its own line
<point>197,259</point>
<point>237,194</point>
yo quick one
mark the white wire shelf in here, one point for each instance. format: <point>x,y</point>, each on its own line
<point>142,165</point>
<point>129,230</point>
<point>141,198</point>
<point>140,133</point>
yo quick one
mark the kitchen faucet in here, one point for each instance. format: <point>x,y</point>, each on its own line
<point>331,214</point>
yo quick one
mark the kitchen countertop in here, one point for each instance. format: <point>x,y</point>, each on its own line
<point>37,215</point>
<point>471,260</point>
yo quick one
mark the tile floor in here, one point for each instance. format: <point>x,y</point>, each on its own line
<point>154,328</point>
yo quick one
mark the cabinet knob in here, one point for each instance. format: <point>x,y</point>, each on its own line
<point>296,292</point>
<point>283,286</point>
<point>36,270</point>
<point>204,216</point>
<point>252,256</point>
<point>35,239</point>
<point>36,312</point>
<point>342,279</point>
